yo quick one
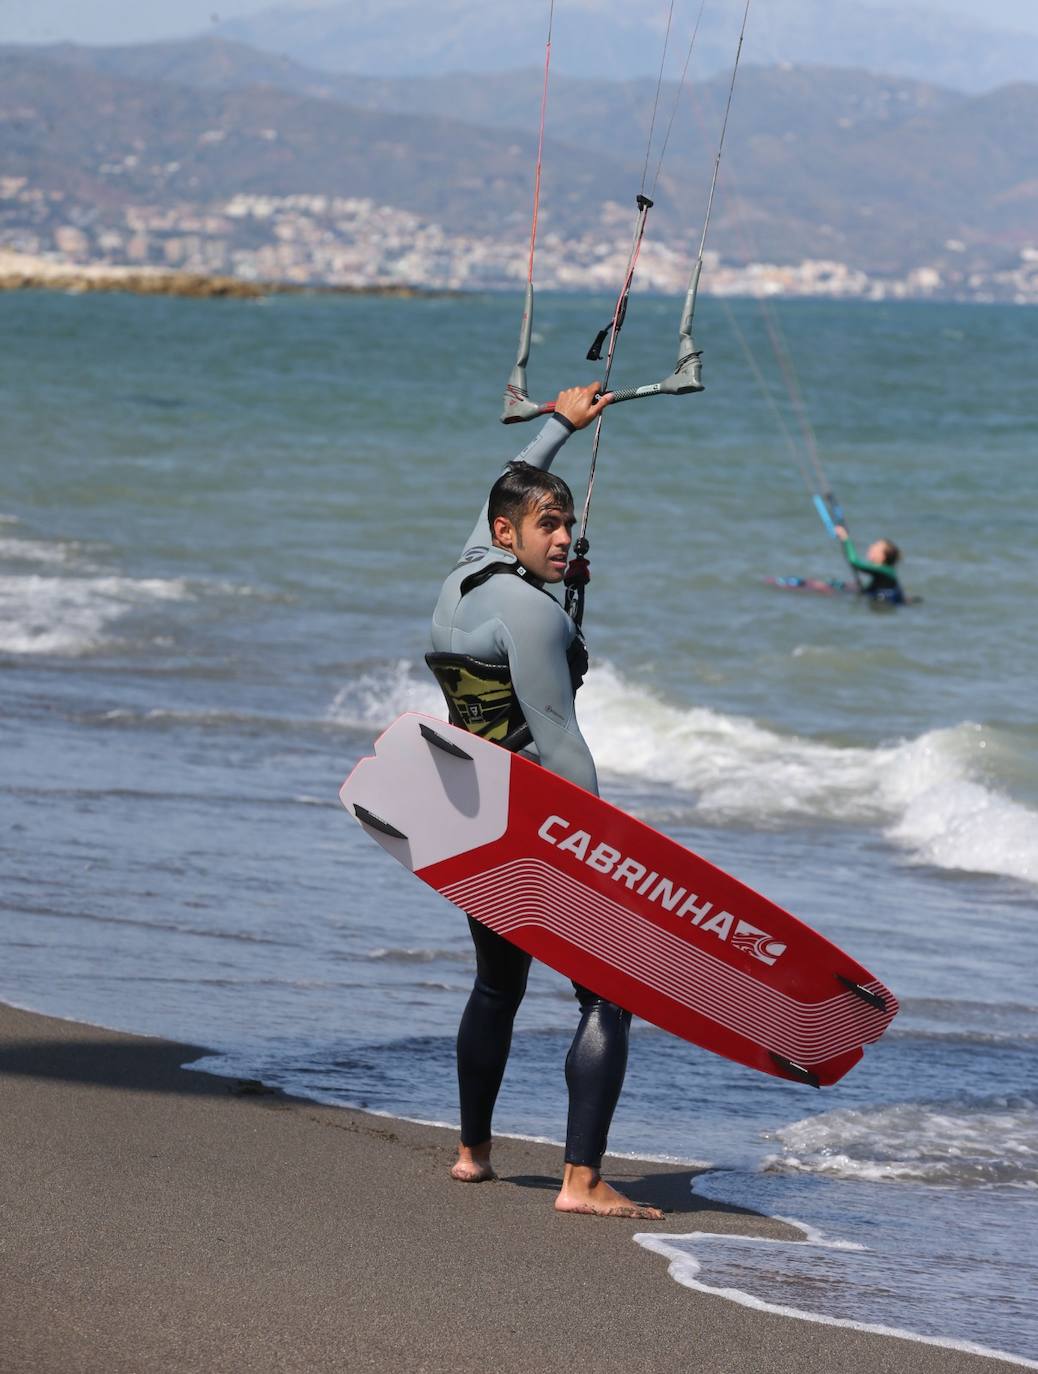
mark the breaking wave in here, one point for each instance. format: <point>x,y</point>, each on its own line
<point>58,598</point>
<point>925,795</point>
<point>971,1142</point>
<point>73,615</point>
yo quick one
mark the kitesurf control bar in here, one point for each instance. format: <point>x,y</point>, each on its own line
<point>685,380</point>
<point>832,516</point>
<point>517,403</point>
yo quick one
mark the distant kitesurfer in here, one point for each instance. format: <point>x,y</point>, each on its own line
<point>509,660</point>
<point>878,566</point>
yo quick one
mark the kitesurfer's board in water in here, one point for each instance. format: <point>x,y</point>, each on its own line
<point>615,905</point>
<point>832,586</point>
<point>824,586</point>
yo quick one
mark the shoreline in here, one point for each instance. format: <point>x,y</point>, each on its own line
<point>27,272</point>
<point>159,1216</point>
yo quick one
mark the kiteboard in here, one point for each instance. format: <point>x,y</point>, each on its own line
<point>614,905</point>
<point>832,586</point>
<point>825,586</point>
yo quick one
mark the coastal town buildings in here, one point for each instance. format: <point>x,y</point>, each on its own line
<point>320,240</point>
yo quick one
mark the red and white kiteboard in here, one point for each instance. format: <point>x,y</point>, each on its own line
<point>616,906</point>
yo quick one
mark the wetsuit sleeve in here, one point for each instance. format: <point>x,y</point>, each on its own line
<point>540,452</point>
<point>535,636</point>
<point>863,565</point>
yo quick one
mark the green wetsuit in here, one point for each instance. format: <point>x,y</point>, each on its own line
<point>883,583</point>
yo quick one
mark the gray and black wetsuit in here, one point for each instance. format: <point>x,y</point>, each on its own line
<point>509,621</point>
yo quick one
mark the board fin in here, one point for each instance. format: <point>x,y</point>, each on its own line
<point>866,995</point>
<point>796,1071</point>
<point>448,746</point>
<point>376,822</point>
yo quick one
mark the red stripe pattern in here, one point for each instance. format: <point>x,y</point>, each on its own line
<point>528,893</point>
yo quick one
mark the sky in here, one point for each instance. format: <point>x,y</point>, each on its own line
<point>142,21</point>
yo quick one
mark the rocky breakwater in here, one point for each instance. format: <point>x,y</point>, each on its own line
<point>22,272</point>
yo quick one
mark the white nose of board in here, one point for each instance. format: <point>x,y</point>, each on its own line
<point>440,789</point>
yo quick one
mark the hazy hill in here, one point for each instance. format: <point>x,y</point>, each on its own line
<point>601,115</point>
<point>876,171</point>
<point>109,141</point>
<point>209,63</point>
<point>615,40</point>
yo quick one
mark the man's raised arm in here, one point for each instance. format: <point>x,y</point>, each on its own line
<point>575,408</point>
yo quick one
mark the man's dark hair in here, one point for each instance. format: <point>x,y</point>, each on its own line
<point>520,487</point>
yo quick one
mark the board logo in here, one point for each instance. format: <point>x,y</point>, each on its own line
<point>657,888</point>
<point>757,943</point>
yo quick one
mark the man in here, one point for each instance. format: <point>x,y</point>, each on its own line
<point>509,659</point>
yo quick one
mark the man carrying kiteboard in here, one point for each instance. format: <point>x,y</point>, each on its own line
<point>509,660</point>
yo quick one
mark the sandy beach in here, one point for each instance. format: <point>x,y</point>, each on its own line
<point>157,1218</point>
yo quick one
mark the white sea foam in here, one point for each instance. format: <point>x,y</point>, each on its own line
<point>967,1142</point>
<point>375,699</point>
<point>813,1270</point>
<point>204,717</point>
<point>907,1269</point>
<point>738,770</point>
<point>73,615</point>
<point>18,546</point>
<point>419,955</point>
<point>955,822</point>
<point>925,794</point>
<point>41,551</point>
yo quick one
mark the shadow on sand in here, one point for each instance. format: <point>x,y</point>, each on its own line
<point>134,1066</point>
<point>670,1191</point>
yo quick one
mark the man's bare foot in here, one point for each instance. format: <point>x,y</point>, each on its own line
<point>473,1164</point>
<point>585,1190</point>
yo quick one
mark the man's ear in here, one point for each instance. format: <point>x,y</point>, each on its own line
<point>503,532</point>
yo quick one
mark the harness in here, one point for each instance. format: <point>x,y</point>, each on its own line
<point>480,696</point>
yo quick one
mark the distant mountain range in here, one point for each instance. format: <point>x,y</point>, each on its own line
<point>880,172</point>
<point>613,40</point>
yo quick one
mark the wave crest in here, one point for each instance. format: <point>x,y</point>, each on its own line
<point>923,794</point>
<point>965,1142</point>
<point>73,615</point>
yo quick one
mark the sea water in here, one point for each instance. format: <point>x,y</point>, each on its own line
<point>222,529</point>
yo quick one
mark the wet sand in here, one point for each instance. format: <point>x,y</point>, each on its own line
<point>153,1218</point>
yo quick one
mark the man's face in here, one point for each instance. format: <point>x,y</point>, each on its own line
<point>542,540</point>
